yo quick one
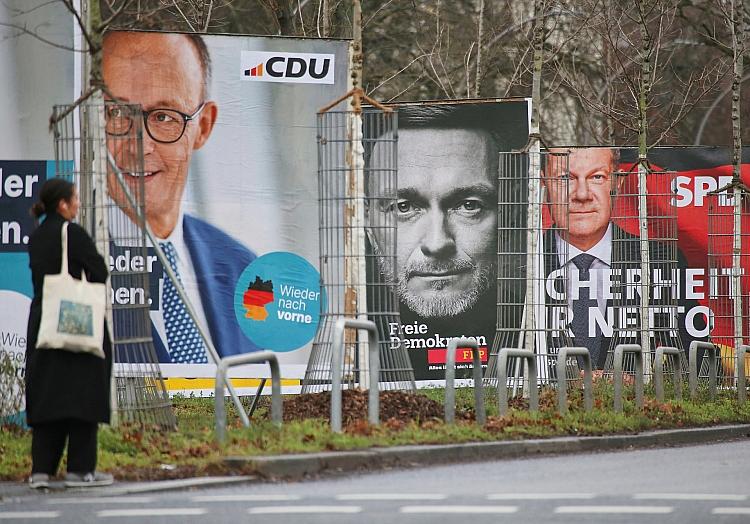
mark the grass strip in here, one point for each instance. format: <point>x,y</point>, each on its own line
<point>133,452</point>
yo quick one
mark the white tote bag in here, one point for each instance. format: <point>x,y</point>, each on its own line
<point>72,310</point>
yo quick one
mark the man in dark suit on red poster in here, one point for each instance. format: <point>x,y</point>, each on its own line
<point>600,262</point>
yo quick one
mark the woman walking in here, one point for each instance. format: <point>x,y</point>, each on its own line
<point>67,394</point>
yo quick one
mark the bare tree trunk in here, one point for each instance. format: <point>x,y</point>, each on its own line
<point>738,48</point>
<point>285,17</point>
<point>324,15</point>
<point>533,217</point>
<point>354,243</point>
<point>480,39</point>
<point>609,98</point>
<point>357,51</point>
<point>644,89</point>
<point>92,166</point>
<point>207,7</point>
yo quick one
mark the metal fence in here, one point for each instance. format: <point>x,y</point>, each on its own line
<point>729,275</point>
<point>532,283</point>
<point>89,139</point>
<point>645,305</point>
<point>357,183</point>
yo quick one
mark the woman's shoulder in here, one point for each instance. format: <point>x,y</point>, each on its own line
<point>75,229</point>
<point>77,232</point>
<point>47,227</point>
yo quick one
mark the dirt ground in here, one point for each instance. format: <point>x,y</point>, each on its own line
<point>394,405</point>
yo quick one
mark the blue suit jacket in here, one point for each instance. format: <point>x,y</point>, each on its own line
<point>218,261</point>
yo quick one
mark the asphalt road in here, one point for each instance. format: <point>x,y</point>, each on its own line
<point>696,484</point>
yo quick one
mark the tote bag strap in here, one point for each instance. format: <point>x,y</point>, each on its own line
<point>64,237</point>
<point>64,266</point>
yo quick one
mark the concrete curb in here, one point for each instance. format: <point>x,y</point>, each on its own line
<point>295,466</point>
<point>169,485</point>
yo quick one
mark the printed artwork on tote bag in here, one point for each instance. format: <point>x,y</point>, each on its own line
<point>72,310</point>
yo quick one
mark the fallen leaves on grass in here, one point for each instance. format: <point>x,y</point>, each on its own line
<point>395,407</point>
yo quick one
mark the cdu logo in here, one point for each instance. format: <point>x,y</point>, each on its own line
<point>255,71</point>
<point>300,68</point>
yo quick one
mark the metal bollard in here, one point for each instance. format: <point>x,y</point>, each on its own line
<point>373,404</point>
<point>659,372</point>
<point>620,351</point>
<point>221,376</point>
<point>741,382</point>
<point>502,378</point>
<point>450,379</point>
<point>713,354</point>
<point>588,382</point>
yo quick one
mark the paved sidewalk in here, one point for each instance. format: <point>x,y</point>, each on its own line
<point>341,462</point>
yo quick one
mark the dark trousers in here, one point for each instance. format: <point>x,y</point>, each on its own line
<point>48,442</point>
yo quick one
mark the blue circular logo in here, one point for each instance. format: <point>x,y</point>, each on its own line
<point>277,301</point>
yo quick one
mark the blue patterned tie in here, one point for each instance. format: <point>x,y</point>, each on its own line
<point>185,343</point>
<point>582,307</point>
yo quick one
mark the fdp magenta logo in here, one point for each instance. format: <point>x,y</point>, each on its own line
<point>299,68</point>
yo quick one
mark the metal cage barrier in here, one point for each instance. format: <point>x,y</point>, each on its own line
<point>729,279</point>
<point>645,306</point>
<point>357,183</point>
<point>532,284</point>
<point>87,138</point>
<point>222,378</point>
<point>661,353</point>
<point>621,350</point>
<point>588,379</point>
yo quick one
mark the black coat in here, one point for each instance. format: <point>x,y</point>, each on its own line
<point>61,384</point>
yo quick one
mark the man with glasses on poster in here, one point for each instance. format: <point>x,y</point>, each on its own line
<point>168,75</point>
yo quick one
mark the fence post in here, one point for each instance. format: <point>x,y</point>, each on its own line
<point>450,379</point>
<point>620,351</point>
<point>741,391</point>
<point>562,391</point>
<point>373,404</point>
<point>661,351</point>
<point>713,353</point>
<point>502,377</point>
<point>221,377</point>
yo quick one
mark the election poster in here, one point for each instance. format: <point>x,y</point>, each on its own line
<point>26,161</point>
<point>594,287</point>
<point>446,226</point>
<point>705,212</point>
<point>595,219</point>
<point>599,277</point>
<point>230,165</point>
<point>233,193</point>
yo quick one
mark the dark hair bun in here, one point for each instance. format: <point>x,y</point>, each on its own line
<point>53,190</point>
<point>38,209</point>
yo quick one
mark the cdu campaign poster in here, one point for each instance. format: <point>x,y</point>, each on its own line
<point>230,177</point>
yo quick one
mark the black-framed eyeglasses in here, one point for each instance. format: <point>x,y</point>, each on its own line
<point>163,125</point>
